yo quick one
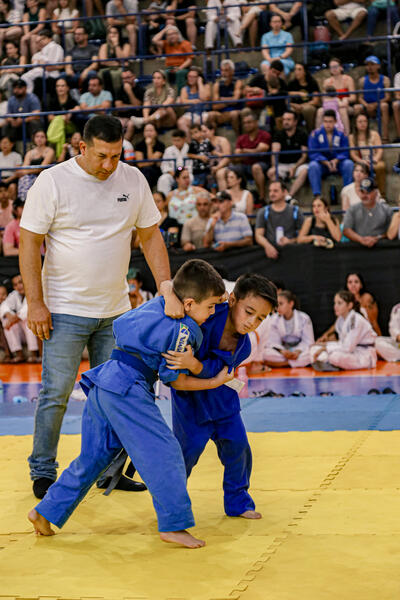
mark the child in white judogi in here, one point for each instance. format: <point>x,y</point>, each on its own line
<point>290,335</point>
<point>229,14</point>
<point>13,314</point>
<point>389,347</point>
<point>355,348</point>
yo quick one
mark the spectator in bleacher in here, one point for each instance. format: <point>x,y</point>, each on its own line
<point>150,148</point>
<point>254,140</point>
<point>130,95</point>
<point>395,105</point>
<point>320,227</point>
<point>182,200</point>
<point>158,93</point>
<point>227,228</point>
<point>369,98</point>
<point>152,21</point>
<point>49,52</point>
<point>9,15</point>
<point>328,153</point>
<point>23,102</point>
<point>195,92</point>
<point>227,15</point>
<point>331,101</point>
<point>64,29</point>
<point>169,227</point>
<point>350,194</point>
<point>277,43</point>
<point>222,148</point>
<point>301,89</point>
<point>12,230</point>
<point>71,149</point>
<point>117,11</point>
<point>290,11</point>
<point>250,18</point>
<point>11,58</point>
<point>367,222</point>
<point>394,228</point>
<point>236,184</point>
<point>278,223</point>
<point>170,42</point>
<point>82,60</point>
<point>370,157</point>
<point>176,154</point>
<point>137,295</point>
<point>6,208</point>
<point>354,10</point>
<point>14,319</point>
<point>200,150</point>
<point>95,97</point>
<point>194,228</point>
<point>39,155</point>
<point>110,71</point>
<point>272,86</point>
<point>378,10</point>
<point>342,83</point>
<point>61,125</point>
<point>30,40</point>
<point>226,88</point>
<point>289,166</point>
<point>9,158</point>
<point>185,21</point>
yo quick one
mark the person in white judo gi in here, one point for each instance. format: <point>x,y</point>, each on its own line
<point>389,347</point>
<point>355,348</point>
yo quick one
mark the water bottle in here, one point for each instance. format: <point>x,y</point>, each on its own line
<point>279,233</point>
<point>242,376</point>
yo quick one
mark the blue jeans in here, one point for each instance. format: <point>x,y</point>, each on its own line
<point>374,13</point>
<point>317,170</point>
<point>61,359</point>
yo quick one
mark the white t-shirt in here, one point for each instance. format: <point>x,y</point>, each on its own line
<point>88,225</point>
<point>13,159</point>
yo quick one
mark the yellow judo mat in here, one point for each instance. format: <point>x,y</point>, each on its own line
<point>330,529</point>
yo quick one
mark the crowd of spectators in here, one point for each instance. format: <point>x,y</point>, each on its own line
<point>287,131</point>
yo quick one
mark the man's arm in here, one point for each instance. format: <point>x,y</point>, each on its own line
<point>270,250</point>
<point>156,257</point>
<point>368,240</point>
<point>30,264</point>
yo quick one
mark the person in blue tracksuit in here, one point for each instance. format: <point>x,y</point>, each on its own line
<point>199,416</point>
<point>120,411</point>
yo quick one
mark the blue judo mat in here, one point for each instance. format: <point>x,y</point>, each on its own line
<point>310,413</point>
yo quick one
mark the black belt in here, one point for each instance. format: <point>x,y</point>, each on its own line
<point>365,345</point>
<point>137,363</point>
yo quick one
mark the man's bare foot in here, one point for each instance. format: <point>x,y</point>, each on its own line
<point>251,514</point>
<point>183,538</point>
<point>40,524</point>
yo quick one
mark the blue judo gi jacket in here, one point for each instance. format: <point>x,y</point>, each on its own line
<point>222,402</point>
<point>318,145</point>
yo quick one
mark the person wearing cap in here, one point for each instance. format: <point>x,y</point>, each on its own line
<point>21,102</point>
<point>49,52</point>
<point>227,228</point>
<point>345,10</point>
<point>368,221</point>
<point>328,153</point>
<point>373,85</point>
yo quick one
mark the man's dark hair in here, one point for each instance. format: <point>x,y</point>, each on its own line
<point>291,112</point>
<point>281,182</point>
<point>277,65</point>
<point>329,113</point>
<point>252,284</point>
<point>195,126</point>
<point>45,33</point>
<point>178,133</point>
<point>199,280</point>
<point>102,127</point>
<point>3,185</point>
<point>96,77</point>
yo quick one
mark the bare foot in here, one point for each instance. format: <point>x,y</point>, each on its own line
<point>251,514</point>
<point>183,538</point>
<point>40,524</point>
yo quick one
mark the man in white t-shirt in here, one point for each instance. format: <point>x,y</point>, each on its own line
<point>86,209</point>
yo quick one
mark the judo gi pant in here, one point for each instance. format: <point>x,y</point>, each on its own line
<point>230,438</point>
<point>272,355</point>
<point>387,348</point>
<point>134,421</point>
<point>360,358</point>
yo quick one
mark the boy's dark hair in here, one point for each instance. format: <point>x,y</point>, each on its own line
<point>102,127</point>
<point>195,126</point>
<point>252,284</point>
<point>199,280</point>
<point>178,133</point>
<point>329,113</point>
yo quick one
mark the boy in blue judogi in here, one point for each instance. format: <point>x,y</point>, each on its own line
<point>198,416</point>
<point>120,411</point>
